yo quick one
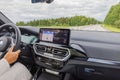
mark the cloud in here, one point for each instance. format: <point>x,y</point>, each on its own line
<point>24,10</point>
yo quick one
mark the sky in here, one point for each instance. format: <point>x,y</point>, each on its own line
<point>24,10</point>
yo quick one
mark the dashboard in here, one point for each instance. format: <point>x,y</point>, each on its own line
<point>45,55</point>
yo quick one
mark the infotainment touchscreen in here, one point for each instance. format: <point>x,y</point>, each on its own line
<point>57,36</point>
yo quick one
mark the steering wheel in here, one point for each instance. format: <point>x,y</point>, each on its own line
<point>6,41</point>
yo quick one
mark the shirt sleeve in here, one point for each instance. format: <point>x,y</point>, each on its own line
<point>4,66</point>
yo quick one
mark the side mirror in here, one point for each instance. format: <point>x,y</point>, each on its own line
<point>42,1</point>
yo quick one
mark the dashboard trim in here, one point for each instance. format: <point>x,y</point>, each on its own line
<point>103,61</point>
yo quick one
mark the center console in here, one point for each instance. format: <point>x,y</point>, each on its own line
<point>51,56</point>
<point>50,53</point>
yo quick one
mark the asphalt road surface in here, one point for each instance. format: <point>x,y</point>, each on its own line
<point>89,28</point>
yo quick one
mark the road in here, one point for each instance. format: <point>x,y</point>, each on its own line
<point>89,27</point>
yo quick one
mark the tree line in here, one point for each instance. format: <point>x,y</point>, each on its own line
<point>113,17</point>
<point>64,21</point>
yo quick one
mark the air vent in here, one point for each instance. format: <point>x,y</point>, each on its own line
<point>60,52</point>
<point>40,48</point>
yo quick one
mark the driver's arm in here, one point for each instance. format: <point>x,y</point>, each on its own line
<point>8,59</point>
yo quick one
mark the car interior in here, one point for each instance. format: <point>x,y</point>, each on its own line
<point>63,54</point>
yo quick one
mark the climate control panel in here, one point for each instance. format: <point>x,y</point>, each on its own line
<point>53,52</point>
<point>51,56</point>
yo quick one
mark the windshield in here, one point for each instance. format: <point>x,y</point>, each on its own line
<point>93,15</point>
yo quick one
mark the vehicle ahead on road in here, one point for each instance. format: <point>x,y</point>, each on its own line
<point>64,54</point>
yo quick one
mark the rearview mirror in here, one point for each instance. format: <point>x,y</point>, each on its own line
<point>41,1</point>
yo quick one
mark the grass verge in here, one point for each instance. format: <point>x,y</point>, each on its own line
<point>64,27</point>
<point>111,28</point>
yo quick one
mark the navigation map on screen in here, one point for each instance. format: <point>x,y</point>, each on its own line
<point>47,36</point>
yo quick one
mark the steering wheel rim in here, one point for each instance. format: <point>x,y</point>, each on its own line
<point>17,34</point>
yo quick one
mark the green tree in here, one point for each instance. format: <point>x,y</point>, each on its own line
<point>113,17</point>
<point>63,21</point>
<point>21,23</point>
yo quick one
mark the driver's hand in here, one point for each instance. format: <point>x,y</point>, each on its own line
<point>11,56</point>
